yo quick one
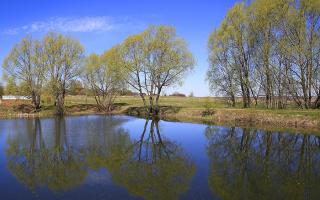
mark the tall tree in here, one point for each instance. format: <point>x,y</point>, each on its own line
<point>231,47</point>
<point>222,72</point>
<point>63,57</point>
<point>103,76</point>
<point>25,64</point>
<point>155,59</point>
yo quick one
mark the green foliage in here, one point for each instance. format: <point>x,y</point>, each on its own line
<point>104,77</point>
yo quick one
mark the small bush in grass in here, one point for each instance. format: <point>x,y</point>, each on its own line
<point>208,109</point>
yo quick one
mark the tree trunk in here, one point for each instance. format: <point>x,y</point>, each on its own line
<point>244,95</point>
<point>317,101</point>
<point>157,107</point>
<point>233,100</point>
<point>60,103</point>
<point>151,107</point>
<point>36,100</point>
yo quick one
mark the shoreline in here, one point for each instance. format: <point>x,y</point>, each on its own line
<point>222,117</point>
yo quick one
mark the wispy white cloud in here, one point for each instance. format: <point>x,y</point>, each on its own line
<point>70,24</point>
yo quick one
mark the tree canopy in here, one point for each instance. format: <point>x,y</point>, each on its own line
<point>104,76</point>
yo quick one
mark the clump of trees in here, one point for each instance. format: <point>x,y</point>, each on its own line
<point>52,63</point>
<point>268,49</point>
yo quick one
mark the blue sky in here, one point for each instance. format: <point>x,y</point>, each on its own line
<point>101,24</point>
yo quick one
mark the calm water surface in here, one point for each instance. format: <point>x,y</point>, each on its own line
<point>98,157</point>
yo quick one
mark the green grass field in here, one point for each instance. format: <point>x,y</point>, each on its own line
<point>198,103</point>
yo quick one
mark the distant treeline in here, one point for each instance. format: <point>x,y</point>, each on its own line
<point>268,49</point>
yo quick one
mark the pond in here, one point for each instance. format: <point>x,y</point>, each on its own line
<point>121,157</point>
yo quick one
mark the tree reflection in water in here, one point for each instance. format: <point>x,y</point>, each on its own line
<point>151,167</point>
<point>250,164</point>
<point>155,167</point>
<point>37,162</point>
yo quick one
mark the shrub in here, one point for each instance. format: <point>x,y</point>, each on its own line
<point>177,94</point>
<point>208,109</point>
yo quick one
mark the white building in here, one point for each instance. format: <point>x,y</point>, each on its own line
<point>11,97</point>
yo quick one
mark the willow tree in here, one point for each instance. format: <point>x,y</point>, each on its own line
<point>262,16</point>
<point>231,47</point>
<point>222,73</point>
<point>154,60</point>
<point>63,56</point>
<point>104,78</point>
<point>25,64</point>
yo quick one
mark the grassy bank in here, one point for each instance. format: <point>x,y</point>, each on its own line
<point>184,109</point>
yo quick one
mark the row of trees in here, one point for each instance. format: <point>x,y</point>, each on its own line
<point>268,49</point>
<point>146,62</point>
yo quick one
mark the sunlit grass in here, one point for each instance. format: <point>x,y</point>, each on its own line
<point>199,103</point>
